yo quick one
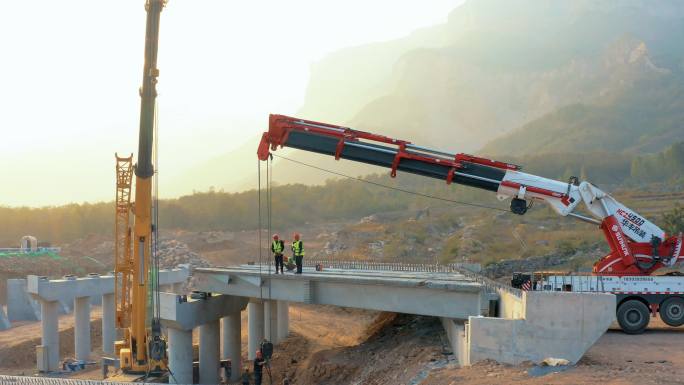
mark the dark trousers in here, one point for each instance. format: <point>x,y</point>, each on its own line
<point>257,378</point>
<point>298,260</point>
<point>279,262</point>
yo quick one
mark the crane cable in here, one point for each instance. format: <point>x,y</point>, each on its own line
<point>269,195</point>
<point>359,179</point>
<point>259,241</point>
<point>269,209</point>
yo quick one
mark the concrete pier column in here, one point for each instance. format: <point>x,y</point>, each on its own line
<point>108,322</point>
<point>255,315</point>
<point>50,329</point>
<point>271,321</point>
<point>283,320</point>
<point>231,327</point>
<point>209,352</point>
<point>180,356</point>
<point>82,327</point>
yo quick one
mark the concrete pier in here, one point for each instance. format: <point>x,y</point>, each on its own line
<point>231,343</point>
<point>78,292</point>
<point>255,327</point>
<point>108,322</point>
<point>209,344</point>
<point>50,332</point>
<point>181,316</point>
<point>271,321</point>
<point>180,356</point>
<point>283,320</point>
<point>82,328</point>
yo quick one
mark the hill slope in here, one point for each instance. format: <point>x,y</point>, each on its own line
<point>646,117</point>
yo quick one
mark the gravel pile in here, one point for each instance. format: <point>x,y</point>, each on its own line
<point>173,253</point>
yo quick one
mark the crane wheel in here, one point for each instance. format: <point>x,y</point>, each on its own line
<point>633,316</point>
<point>672,311</point>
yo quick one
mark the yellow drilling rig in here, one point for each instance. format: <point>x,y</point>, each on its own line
<point>143,349</point>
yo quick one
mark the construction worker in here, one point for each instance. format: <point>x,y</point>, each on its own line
<point>245,377</point>
<point>258,367</point>
<point>298,252</point>
<point>277,248</point>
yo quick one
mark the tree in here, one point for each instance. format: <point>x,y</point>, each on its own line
<point>673,221</point>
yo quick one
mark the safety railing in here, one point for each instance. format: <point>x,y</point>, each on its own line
<point>459,268</point>
<point>20,250</point>
<point>20,380</point>
<point>464,269</point>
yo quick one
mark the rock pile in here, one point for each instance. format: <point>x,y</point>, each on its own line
<point>545,262</point>
<point>173,253</point>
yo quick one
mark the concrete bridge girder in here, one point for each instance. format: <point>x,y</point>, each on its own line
<point>380,292</point>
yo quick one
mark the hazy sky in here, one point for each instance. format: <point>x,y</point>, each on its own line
<point>70,72</point>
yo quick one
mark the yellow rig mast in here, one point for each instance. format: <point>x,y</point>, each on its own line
<point>142,348</point>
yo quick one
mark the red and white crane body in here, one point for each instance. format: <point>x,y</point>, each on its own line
<point>638,247</point>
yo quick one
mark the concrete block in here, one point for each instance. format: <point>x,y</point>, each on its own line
<point>456,334</point>
<point>511,306</point>
<point>20,305</point>
<point>4,321</point>
<point>555,324</point>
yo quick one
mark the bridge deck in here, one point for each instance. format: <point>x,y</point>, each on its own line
<point>444,294</point>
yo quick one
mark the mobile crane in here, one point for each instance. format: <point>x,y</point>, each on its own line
<point>637,246</point>
<point>142,350</point>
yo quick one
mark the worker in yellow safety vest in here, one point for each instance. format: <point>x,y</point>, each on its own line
<point>298,252</point>
<point>277,248</point>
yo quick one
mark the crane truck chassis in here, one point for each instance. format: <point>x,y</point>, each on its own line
<point>637,297</point>
<point>638,247</point>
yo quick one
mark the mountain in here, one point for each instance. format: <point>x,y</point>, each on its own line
<point>496,65</point>
<point>641,117</point>
<point>501,77</point>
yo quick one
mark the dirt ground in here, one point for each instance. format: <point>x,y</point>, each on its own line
<point>655,357</point>
<point>329,345</point>
<point>18,344</point>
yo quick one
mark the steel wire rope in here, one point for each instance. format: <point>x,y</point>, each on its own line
<point>392,188</point>
<point>155,230</point>
<point>261,292</point>
<point>269,201</point>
